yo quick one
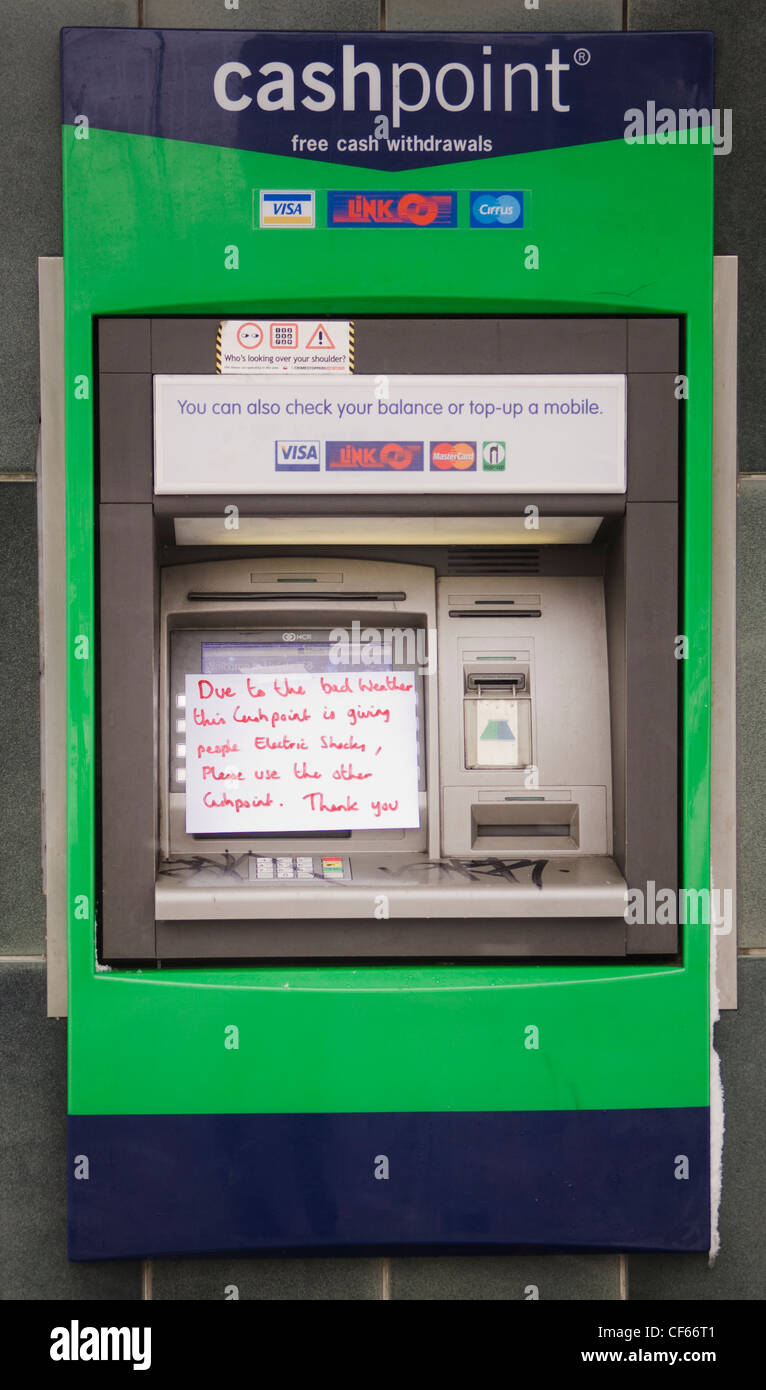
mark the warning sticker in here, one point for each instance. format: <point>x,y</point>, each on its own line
<point>289,345</point>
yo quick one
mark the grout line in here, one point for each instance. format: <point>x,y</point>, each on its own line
<point>385,1279</point>
<point>382,18</point>
<point>623,1278</point>
<point>18,477</point>
<point>146,1281</point>
<point>752,951</point>
<point>22,960</point>
<point>625,15</point>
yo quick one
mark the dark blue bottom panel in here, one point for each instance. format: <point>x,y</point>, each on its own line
<point>194,1184</point>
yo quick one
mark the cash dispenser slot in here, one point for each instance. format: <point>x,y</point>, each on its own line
<point>554,825</point>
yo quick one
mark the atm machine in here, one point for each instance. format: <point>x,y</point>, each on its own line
<point>388,647</point>
<point>502,811</point>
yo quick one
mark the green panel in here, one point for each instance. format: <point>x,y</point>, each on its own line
<point>619,229</point>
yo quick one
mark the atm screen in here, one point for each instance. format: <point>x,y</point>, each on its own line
<point>299,737</point>
<point>248,658</point>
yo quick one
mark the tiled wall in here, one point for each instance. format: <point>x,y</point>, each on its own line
<point>33,1262</point>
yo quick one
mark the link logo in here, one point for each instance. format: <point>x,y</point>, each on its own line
<point>297,455</point>
<point>391,210</point>
<point>497,209</point>
<point>379,454</point>
<point>461,456</point>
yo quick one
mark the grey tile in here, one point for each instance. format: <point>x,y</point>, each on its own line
<point>262,14</point>
<point>33,1259</point>
<point>740,1270</point>
<point>22,916</point>
<point>494,1277</point>
<point>510,16</point>
<point>267,1280</point>
<point>30,208</point>
<point>751,684</point>
<point>740,188</point>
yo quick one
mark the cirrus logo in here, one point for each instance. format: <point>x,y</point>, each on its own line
<point>497,209</point>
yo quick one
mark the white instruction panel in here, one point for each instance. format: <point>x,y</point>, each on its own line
<point>284,345</point>
<point>301,752</point>
<point>296,433</point>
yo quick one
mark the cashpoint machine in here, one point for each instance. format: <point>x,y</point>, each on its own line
<point>405,733</point>
<point>386,725</point>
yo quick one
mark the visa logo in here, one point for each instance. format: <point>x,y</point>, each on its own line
<point>287,208</point>
<point>297,455</point>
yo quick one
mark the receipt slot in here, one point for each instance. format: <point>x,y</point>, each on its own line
<point>388,536</point>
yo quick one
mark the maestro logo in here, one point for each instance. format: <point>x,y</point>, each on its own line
<point>297,455</point>
<point>294,209</point>
<point>391,210</point>
<point>377,454</point>
<point>461,456</point>
<point>497,209</point>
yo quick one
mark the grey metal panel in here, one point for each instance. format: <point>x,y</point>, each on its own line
<point>653,344</point>
<point>723,713</point>
<point>652,438</point>
<point>128,664</point>
<point>615,597</point>
<point>651,760</point>
<point>415,939</point>
<point>124,345</point>
<point>491,345</point>
<point>125,430</point>
<point>446,560</point>
<point>559,504</point>
<point>53,651</point>
<point>423,345</point>
<point>184,345</point>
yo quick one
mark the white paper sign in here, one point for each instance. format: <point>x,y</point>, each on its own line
<point>285,345</point>
<point>301,752</point>
<point>458,435</point>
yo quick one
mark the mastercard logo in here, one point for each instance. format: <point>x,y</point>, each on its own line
<point>461,456</point>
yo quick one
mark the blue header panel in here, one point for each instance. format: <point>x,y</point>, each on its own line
<point>386,101</point>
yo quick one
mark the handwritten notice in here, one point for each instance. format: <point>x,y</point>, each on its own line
<point>301,752</point>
